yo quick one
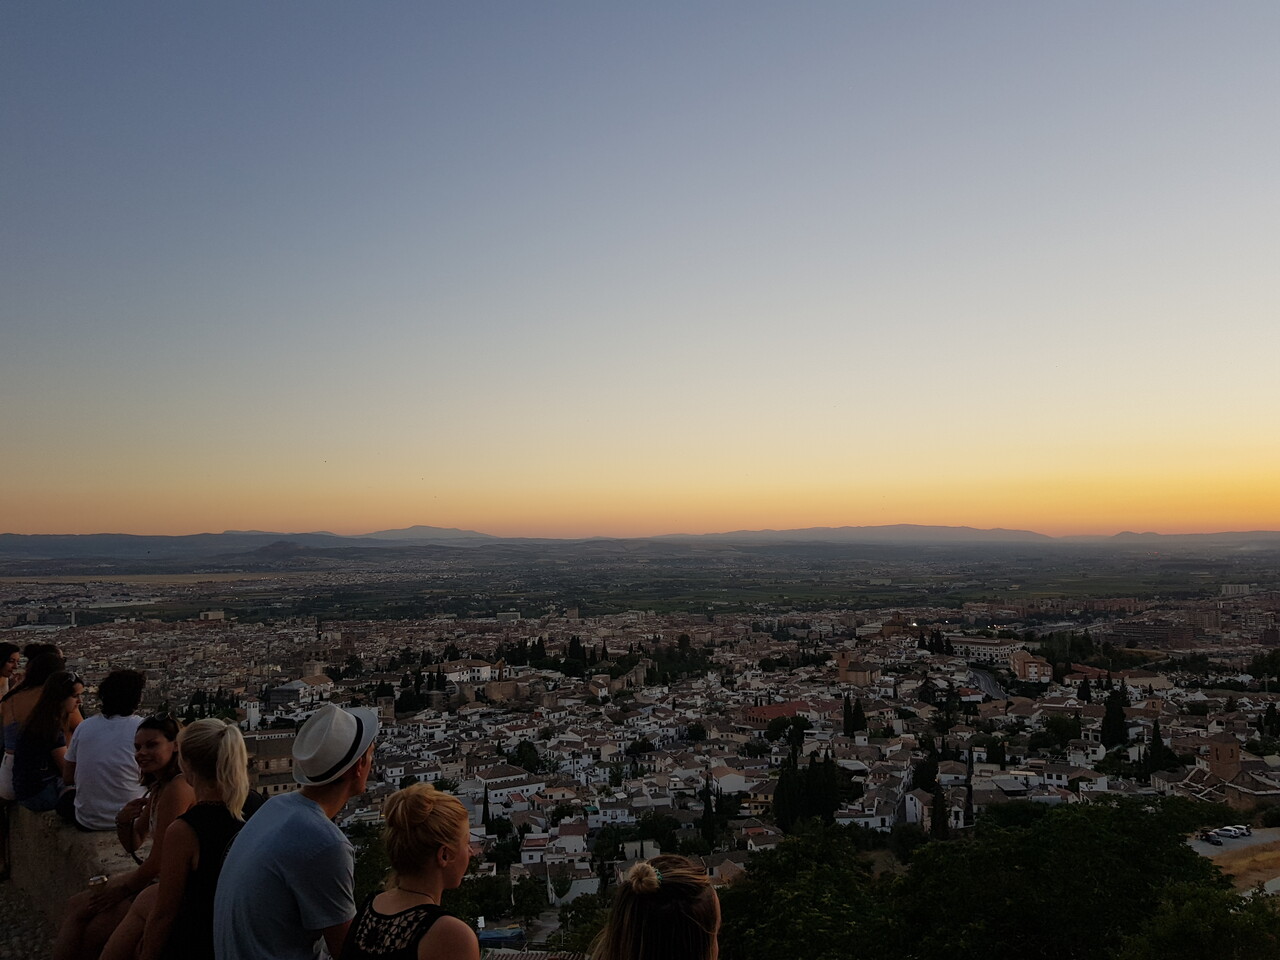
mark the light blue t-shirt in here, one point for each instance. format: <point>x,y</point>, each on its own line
<point>288,875</point>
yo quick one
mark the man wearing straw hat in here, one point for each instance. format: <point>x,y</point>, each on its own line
<point>288,880</point>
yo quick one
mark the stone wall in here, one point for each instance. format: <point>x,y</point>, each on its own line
<point>50,861</point>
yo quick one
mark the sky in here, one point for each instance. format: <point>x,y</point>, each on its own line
<point>600,269</point>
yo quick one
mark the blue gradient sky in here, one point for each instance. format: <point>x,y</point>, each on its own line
<point>571,268</point>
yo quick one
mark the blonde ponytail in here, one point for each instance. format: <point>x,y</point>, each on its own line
<point>215,751</point>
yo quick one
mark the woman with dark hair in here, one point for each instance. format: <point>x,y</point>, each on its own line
<point>215,762</point>
<point>10,657</point>
<point>666,909</point>
<point>18,704</point>
<point>100,762</point>
<point>93,914</point>
<point>38,757</point>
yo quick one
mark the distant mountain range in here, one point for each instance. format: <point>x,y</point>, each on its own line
<point>430,534</point>
<point>891,533</point>
<point>251,544</point>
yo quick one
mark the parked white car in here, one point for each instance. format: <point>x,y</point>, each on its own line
<point>1230,832</point>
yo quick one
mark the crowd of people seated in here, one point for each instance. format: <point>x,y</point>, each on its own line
<point>229,876</point>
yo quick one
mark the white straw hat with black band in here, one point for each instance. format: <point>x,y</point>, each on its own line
<point>330,741</point>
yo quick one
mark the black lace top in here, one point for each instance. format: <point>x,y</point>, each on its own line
<point>389,936</point>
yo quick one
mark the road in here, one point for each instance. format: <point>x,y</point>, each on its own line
<point>987,683</point>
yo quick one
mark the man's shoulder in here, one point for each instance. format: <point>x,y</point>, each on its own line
<point>288,820</point>
<point>101,725</point>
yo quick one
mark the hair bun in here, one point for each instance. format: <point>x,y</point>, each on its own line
<point>644,877</point>
<point>410,806</point>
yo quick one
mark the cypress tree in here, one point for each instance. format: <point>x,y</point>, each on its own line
<point>939,829</point>
<point>787,797</point>
<point>849,728</point>
<point>859,716</point>
<point>1115,730</point>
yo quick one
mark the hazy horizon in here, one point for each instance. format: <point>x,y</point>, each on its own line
<point>575,270</point>
<point>613,535</point>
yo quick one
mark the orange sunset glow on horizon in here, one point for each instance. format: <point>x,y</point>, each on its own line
<point>1079,506</point>
<point>579,271</point>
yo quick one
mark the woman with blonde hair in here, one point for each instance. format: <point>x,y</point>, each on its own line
<point>428,840</point>
<point>666,909</point>
<point>180,922</point>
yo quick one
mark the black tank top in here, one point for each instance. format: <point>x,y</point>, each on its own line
<point>191,936</point>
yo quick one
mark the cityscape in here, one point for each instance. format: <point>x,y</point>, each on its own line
<point>956,681</point>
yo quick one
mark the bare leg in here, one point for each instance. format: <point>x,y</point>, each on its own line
<point>124,942</point>
<point>77,916</point>
<point>100,928</point>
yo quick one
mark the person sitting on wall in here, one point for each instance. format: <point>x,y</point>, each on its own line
<point>180,923</point>
<point>38,760</point>
<point>17,706</point>
<point>100,761</point>
<point>93,914</point>
<point>10,658</point>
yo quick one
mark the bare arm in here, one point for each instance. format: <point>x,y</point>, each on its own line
<point>335,937</point>
<point>131,814</point>
<point>176,799</point>
<point>58,753</point>
<point>181,850</point>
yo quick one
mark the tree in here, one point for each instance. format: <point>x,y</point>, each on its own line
<point>822,789</point>
<point>776,728</point>
<point>995,753</point>
<point>526,756</point>
<point>580,920</point>
<point>814,888</point>
<point>528,899</point>
<point>1084,692</point>
<point>788,799</point>
<point>1115,728</point>
<point>1099,869</point>
<point>1192,922</point>
<point>1159,756</point>
<point>371,864</point>
<point>696,733</point>
<point>939,812</point>
<point>1059,730</point>
<point>924,773</point>
<point>859,716</point>
<point>796,732</point>
<point>638,748</point>
<point>479,897</point>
